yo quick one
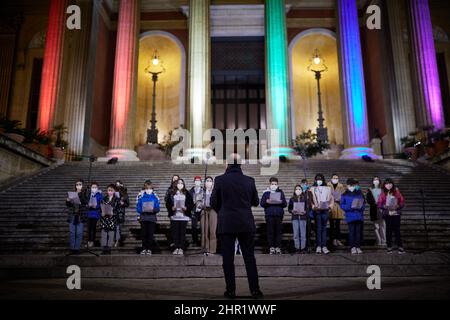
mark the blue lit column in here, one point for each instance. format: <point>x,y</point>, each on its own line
<point>356,133</point>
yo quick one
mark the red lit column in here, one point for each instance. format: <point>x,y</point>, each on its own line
<point>51,69</point>
<point>124,90</point>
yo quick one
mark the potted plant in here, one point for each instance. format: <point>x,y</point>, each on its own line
<point>11,128</point>
<point>308,146</point>
<point>57,141</point>
<point>410,144</point>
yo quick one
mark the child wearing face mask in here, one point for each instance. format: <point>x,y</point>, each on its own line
<point>298,208</point>
<point>108,223</point>
<point>373,194</point>
<point>336,213</point>
<point>179,216</point>
<point>169,192</point>
<point>310,213</point>
<point>197,194</point>
<point>321,201</point>
<point>353,204</point>
<point>391,203</point>
<point>147,207</point>
<point>274,212</point>
<point>124,202</point>
<point>94,201</point>
<point>77,217</point>
<point>208,221</point>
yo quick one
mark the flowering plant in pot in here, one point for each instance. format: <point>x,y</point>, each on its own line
<point>410,145</point>
<point>59,144</point>
<point>11,128</point>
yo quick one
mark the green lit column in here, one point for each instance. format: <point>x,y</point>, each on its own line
<point>277,83</point>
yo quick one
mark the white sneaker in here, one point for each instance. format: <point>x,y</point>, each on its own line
<point>335,243</point>
<point>149,252</point>
<point>180,252</point>
<point>272,251</point>
<point>90,244</point>
<point>319,250</point>
<point>325,250</point>
<point>359,251</point>
<point>277,251</point>
<point>175,252</point>
<point>339,243</point>
<point>143,252</point>
<point>353,251</point>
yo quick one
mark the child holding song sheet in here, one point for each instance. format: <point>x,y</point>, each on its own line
<point>391,203</point>
<point>298,208</point>
<point>273,201</point>
<point>353,204</point>
<point>147,207</point>
<point>76,202</point>
<point>108,221</point>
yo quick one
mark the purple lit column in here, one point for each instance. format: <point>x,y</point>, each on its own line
<point>430,110</point>
<point>356,134</point>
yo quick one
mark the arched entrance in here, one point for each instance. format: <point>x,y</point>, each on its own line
<point>303,86</point>
<point>170,88</point>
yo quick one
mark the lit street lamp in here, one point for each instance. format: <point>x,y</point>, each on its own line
<point>318,66</point>
<point>156,64</point>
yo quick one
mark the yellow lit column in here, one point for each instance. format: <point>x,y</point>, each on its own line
<point>199,70</point>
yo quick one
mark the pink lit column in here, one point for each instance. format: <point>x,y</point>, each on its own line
<point>51,69</point>
<point>430,110</point>
<point>353,92</point>
<point>124,90</point>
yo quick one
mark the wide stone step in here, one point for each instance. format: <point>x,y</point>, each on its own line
<point>198,266</point>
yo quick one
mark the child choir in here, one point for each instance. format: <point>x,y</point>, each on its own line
<point>311,208</point>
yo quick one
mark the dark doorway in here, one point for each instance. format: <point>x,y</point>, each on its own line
<point>238,83</point>
<point>35,87</point>
<point>443,76</point>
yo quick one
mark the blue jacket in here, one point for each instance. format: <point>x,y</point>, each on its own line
<point>95,213</point>
<point>270,209</point>
<point>146,216</point>
<point>352,215</point>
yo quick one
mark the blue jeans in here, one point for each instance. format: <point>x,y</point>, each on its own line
<point>354,234</point>
<point>321,218</point>
<point>299,228</point>
<point>75,235</point>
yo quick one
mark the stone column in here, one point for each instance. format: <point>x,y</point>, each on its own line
<point>277,77</point>
<point>403,114</point>
<point>124,87</point>
<point>430,111</point>
<point>353,93</point>
<point>76,89</point>
<point>199,71</point>
<point>52,66</point>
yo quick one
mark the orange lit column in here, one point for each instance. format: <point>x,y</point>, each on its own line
<point>124,91</point>
<point>51,69</point>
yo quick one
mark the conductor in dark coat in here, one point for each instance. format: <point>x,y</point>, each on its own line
<point>232,198</point>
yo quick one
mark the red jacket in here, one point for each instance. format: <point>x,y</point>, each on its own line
<point>382,202</point>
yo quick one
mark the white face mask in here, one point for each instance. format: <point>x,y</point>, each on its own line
<point>351,189</point>
<point>197,183</point>
<point>376,183</point>
<point>148,191</point>
<point>298,192</point>
<point>208,184</point>
<point>273,187</point>
<point>180,186</point>
<point>319,182</point>
<point>334,181</point>
<point>94,190</point>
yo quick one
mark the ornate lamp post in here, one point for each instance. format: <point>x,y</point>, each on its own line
<point>318,66</point>
<point>156,64</point>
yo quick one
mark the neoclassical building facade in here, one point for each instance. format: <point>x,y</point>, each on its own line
<point>228,64</point>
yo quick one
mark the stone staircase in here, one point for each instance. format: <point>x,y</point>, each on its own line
<point>33,216</point>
